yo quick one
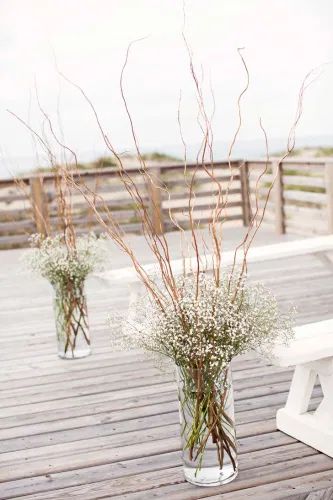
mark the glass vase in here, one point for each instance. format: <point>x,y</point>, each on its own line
<point>71,318</point>
<point>206,408</point>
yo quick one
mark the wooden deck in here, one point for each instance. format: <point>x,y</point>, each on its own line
<point>107,426</point>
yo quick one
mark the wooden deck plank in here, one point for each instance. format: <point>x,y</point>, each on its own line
<point>150,376</point>
<point>117,409</point>
<point>102,473</point>
<point>111,449</point>
<point>25,437</point>
<point>169,483</point>
<point>88,475</point>
<point>104,368</point>
<point>295,489</point>
<point>122,364</point>
<point>144,430</point>
<point>10,429</point>
<point>47,401</point>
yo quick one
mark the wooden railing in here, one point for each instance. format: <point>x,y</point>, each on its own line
<point>301,202</point>
<point>302,198</point>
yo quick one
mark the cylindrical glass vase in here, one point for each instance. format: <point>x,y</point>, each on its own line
<point>206,408</point>
<point>71,318</point>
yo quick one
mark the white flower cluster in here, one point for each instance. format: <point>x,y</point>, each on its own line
<point>209,328</point>
<point>54,261</point>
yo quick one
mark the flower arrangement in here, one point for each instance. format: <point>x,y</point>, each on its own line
<point>201,333</point>
<point>61,264</point>
<point>66,267</point>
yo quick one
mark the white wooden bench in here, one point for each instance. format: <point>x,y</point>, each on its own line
<point>275,251</point>
<point>312,354</point>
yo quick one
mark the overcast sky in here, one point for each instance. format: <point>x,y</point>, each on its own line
<point>284,39</point>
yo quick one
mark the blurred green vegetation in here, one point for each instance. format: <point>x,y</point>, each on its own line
<point>324,151</point>
<point>312,152</point>
<point>156,156</point>
<point>108,162</point>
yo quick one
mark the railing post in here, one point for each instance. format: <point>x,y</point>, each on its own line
<point>278,198</point>
<point>39,205</point>
<point>155,199</point>
<point>245,192</point>
<point>329,194</point>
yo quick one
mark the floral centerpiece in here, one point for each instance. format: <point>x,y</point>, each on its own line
<point>202,331</point>
<point>66,267</point>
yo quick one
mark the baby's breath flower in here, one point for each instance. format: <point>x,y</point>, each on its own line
<point>211,327</point>
<point>59,265</point>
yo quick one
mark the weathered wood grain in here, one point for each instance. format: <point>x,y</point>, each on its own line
<point>107,426</point>
<point>167,460</point>
<point>169,483</point>
<point>50,422</point>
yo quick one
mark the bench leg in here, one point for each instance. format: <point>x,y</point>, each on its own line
<point>315,428</point>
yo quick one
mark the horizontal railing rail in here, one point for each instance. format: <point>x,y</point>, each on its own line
<point>301,201</point>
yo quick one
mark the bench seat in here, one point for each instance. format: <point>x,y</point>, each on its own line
<point>312,342</point>
<point>312,354</point>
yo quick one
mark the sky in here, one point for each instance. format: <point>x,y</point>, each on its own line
<point>87,41</point>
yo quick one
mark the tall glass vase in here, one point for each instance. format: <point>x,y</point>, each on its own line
<point>71,318</point>
<point>206,408</point>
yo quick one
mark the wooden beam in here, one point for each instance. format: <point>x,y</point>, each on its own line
<point>245,188</point>
<point>39,205</point>
<point>278,198</point>
<point>155,199</point>
<point>329,194</point>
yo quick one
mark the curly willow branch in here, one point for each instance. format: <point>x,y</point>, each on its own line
<point>68,179</point>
